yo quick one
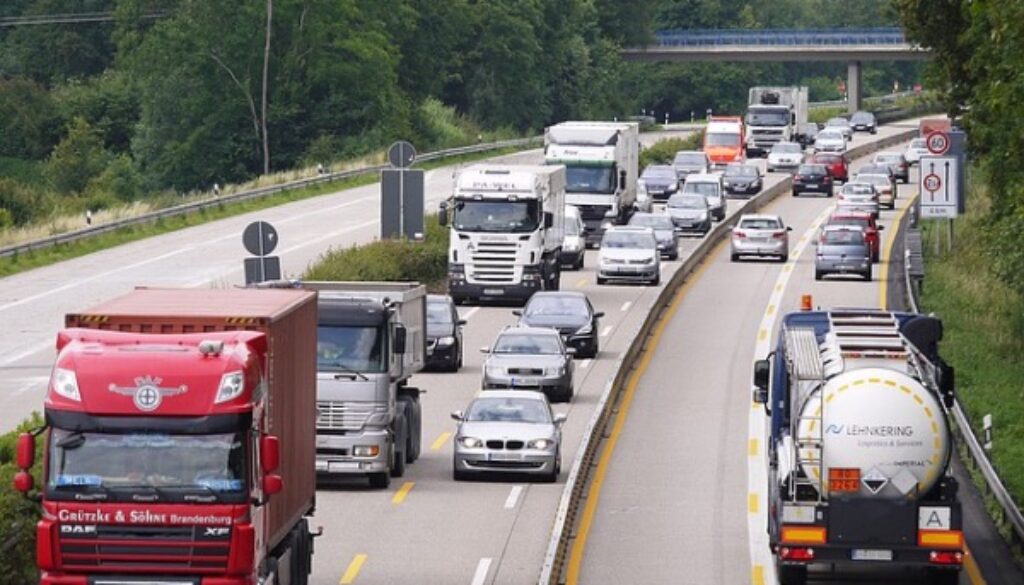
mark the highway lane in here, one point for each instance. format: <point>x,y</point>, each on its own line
<point>675,504</point>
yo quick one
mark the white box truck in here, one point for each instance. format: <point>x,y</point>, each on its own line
<point>602,166</point>
<point>774,114</point>
<point>507,227</point>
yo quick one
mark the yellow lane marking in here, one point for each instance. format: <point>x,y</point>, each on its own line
<point>752,503</point>
<point>402,492</point>
<point>758,574</point>
<point>778,287</point>
<point>581,283</point>
<point>579,546</point>
<point>883,262</point>
<point>440,441</point>
<point>353,570</point>
<point>762,334</point>
<point>752,447</point>
<point>770,310</point>
<point>971,566</point>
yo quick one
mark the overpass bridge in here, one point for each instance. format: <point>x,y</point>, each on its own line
<point>852,45</point>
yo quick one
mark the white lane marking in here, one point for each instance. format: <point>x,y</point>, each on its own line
<point>757,474</point>
<point>482,568</point>
<point>626,305</point>
<point>606,331</point>
<point>99,276</point>
<point>30,351</point>
<point>513,497</point>
<point>585,363</point>
<point>328,236</point>
<point>470,313</point>
<point>32,384</point>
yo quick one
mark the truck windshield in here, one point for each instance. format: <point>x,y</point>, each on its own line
<point>349,348</point>
<point>164,466</point>
<point>580,179</point>
<point>496,216</point>
<point>722,139</point>
<point>761,117</point>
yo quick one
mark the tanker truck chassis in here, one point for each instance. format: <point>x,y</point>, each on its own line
<point>859,453</point>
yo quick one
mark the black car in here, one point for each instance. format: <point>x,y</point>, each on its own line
<point>570,313</point>
<point>812,178</point>
<point>742,179</point>
<point>660,181</point>
<point>444,334</point>
<point>864,122</point>
<point>807,133</point>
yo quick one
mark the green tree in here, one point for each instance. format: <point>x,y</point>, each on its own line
<point>28,119</point>
<point>78,158</point>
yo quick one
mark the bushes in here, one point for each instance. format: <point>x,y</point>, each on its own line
<point>392,260</point>
<point>663,151</point>
<point>18,515</point>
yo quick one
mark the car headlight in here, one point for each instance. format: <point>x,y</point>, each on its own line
<point>702,215</point>
<point>556,371</point>
<point>445,341</point>
<point>471,442</point>
<point>649,260</point>
<point>231,385</point>
<point>586,329</point>
<point>542,444</point>
<point>65,383</point>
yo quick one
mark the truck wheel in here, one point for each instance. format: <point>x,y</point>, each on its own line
<point>380,481</point>
<point>414,423</point>
<point>398,466</point>
<point>792,575</point>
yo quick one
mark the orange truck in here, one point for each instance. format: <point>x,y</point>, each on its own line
<point>724,140</point>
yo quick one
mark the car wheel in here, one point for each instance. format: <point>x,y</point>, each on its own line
<point>459,475</point>
<point>818,275</point>
<point>867,275</point>
<point>579,265</point>
<point>656,280</point>
<point>795,194</point>
<point>600,280</point>
<point>875,258</point>
<point>734,257</point>
<point>784,258</point>
<point>555,469</point>
<point>380,480</point>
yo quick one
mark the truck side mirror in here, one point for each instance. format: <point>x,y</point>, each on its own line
<point>272,484</point>
<point>622,180</point>
<point>270,453</point>
<point>442,214</point>
<point>549,220</point>
<point>26,455</point>
<point>947,384</point>
<point>400,335</point>
<point>762,369</point>
<point>23,482</point>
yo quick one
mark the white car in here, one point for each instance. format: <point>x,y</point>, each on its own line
<point>785,156</point>
<point>760,235</point>
<point>830,140</point>
<point>884,185</point>
<point>841,124</point>
<point>858,197</point>
<point>574,242</point>
<point>710,186</point>
<point>629,253</point>
<point>915,150</point>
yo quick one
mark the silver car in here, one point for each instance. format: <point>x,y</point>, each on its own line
<point>689,213</point>
<point>842,125</point>
<point>687,162</point>
<point>785,156</point>
<point>710,186</point>
<point>858,197</point>
<point>508,432</point>
<point>842,250</point>
<point>629,253</point>
<point>760,235</point>
<point>915,150</point>
<point>531,358</point>
<point>664,232</point>
<point>830,140</point>
<point>884,185</point>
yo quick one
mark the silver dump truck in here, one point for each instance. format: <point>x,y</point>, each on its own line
<point>371,339</point>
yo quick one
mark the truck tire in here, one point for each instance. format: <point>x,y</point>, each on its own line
<point>792,575</point>
<point>302,554</point>
<point>401,432</point>
<point>414,418</point>
<point>380,481</point>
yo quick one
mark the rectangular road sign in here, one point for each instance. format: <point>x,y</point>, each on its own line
<point>939,184</point>
<point>401,203</point>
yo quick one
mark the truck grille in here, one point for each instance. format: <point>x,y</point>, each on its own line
<point>494,262</point>
<point>593,212</point>
<point>191,549</point>
<point>342,416</point>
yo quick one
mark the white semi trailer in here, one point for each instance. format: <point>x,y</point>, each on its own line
<point>602,166</point>
<point>507,226</point>
<point>859,452</point>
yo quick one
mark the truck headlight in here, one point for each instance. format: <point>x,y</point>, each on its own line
<point>231,386</point>
<point>445,341</point>
<point>65,383</point>
<point>471,442</point>
<point>542,444</point>
<point>365,451</point>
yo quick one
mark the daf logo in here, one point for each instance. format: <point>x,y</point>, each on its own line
<point>147,393</point>
<point>77,529</point>
<point>216,531</point>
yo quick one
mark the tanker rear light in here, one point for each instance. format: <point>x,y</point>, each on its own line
<point>843,479</point>
<point>787,553</point>
<point>954,558</point>
<point>804,534</point>
<point>806,302</point>
<point>948,539</point>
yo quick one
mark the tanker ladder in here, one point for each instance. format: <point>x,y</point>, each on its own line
<point>807,374</point>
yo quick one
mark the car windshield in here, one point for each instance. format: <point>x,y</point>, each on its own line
<point>589,179</point>
<point>838,122</point>
<point>439,313</point>
<point>843,237</point>
<point>760,223</point>
<point>850,221</point>
<point>527,344</point>
<point>741,171</point>
<point>787,148</point>
<point>857,189</point>
<point>474,215</point>
<point>651,220</point>
<point>811,170</point>
<point>346,349</point>
<point>689,158</point>
<point>556,305</point>
<point>523,410</point>
<point>759,117</point>
<point>572,226</point>
<point>213,463</point>
<point>659,174</point>
<point>688,202</point>
<point>702,187</point>
<point>830,135</point>
<point>722,139</point>
<point>862,118</point>
<point>630,240</point>
<point>878,180</point>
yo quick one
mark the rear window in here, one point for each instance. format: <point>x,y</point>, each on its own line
<point>787,148</point>
<point>850,221</point>
<point>761,223</point>
<point>843,237</point>
<point>812,169</point>
<point>828,159</point>
<point>690,158</point>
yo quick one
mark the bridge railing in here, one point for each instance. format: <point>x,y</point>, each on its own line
<point>783,37</point>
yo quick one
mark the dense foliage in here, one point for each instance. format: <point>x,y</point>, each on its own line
<point>18,515</point>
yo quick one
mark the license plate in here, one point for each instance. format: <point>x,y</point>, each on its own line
<point>812,185</point>
<point>504,457</point>
<point>335,466</point>
<point>866,554</point>
<point>524,381</point>
<point>494,291</point>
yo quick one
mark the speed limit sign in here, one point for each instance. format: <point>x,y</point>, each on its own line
<point>932,183</point>
<point>937,143</point>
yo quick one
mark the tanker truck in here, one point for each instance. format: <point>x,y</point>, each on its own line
<point>859,449</point>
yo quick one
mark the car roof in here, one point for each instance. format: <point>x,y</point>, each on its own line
<point>557,293</point>
<point>526,330</point>
<point>628,229</point>
<point>528,394</point>
<point>760,216</point>
<point>703,178</point>
<point>841,228</point>
<point>439,299</point>
<point>850,214</point>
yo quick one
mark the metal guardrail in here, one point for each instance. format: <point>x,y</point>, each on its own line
<point>782,37</point>
<point>563,531</point>
<point>186,208</point>
<point>913,274</point>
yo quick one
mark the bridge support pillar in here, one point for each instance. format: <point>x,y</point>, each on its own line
<point>853,86</point>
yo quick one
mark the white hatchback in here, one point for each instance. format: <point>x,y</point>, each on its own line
<point>629,253</point>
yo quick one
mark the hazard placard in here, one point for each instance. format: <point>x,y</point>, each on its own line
<point>939,186</point>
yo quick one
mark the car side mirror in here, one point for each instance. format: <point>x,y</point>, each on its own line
<point>789,228</point>
<point>517,313</point>
<point>485,349</point>
<point>622,180</point>
<point>442,214</point>
<point>270,453</point>
<point>599,314</point>
<point>461,322</point>
<point>560,418</point>
<point>880,227</point>
<point>458,415</point>
<point>272,484</point>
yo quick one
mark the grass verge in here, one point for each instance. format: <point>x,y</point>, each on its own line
<point>984,338</point>
<point>59,253</point>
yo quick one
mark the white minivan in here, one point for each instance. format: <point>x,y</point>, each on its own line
<point>710,186</point>
<point>574,243</point>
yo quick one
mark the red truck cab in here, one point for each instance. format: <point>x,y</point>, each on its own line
<point>175,449</point>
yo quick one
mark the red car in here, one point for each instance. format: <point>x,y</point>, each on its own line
<point>863,221</point>
<point>837,164</point>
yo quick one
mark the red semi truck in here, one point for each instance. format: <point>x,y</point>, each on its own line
<point>180,441</point>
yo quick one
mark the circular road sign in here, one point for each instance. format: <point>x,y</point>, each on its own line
<point>937,143</point>
<point>932,183</point>
<point>401,154</point>
<point>259,238</point>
